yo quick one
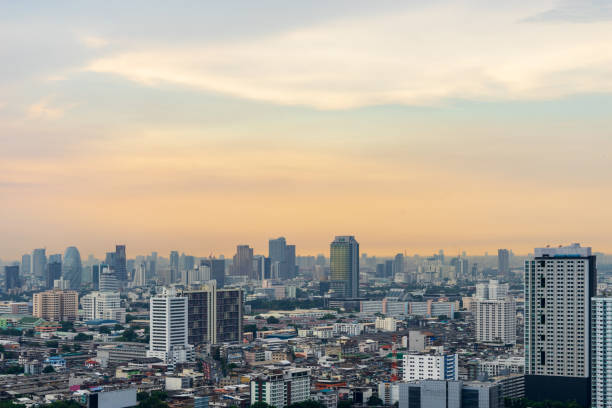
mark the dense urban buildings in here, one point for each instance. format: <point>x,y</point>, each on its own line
<point>344,266</point>
<point>559,285</point>
<point>281,388</point>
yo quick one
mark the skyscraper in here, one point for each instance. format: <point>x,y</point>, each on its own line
<point>344,266</point>
<point>243,261</point>
<point>282,257</point>
<point>26,264</point>
<point>214,315</point>
<point>39,262</point>
<point>601,316</point>
<point>398,264</point>
<point>11,277</point>
<point>217,270</point>
<point>559,285</point>
<point>503,263</point>
<point>168,328</point>
<point>120,265</point>
<point>53,272</point>
<point>71,268</point>
<point>495,314</point>
<point>174,266</point>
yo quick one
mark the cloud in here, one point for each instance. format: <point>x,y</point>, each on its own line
<point>422,57</point>
<point>93,41</point>
<point>581,11</point>
<point>46,109</point>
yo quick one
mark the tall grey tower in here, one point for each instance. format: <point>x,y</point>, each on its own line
<point>71,268</point>
<point>559,285</point>
<point>503,263</point>
<point>344,266</point>
<point>174,266</point>
<point>39,262</point>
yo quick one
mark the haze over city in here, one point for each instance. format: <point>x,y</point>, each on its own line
<point>414,126</point>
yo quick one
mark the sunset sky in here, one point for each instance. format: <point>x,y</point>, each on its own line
<point>200,125</point>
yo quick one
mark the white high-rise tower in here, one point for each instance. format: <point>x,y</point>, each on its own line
<point>559,285</point>
<point>168,330</point>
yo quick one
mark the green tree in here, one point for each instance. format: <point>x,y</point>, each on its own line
<point>51,343</point>
<point>82,337</point>
<point>261,404</point>
<point>345,404</point>
<point>105,330</point>
<point>374,401</point>
<point>272,320</point>
<point>67,326</point>
<point>250,328</point>
<point>10,404</point>
<point>48,369</point>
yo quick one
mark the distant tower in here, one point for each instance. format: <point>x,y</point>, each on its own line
<point>344,265</point>
<point>11,277</point>
<point>174,266</point>
<point>53,271</point>
<point>71,268</point>
<point>39,262</point>
<point>26,264</point>
<point>503,264</point>
<point>120,263</point>
<point>243,261</point>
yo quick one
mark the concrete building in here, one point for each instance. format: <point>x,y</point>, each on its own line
<point>430,367</point>
<point>601,323</point>
<point>168,328</point>
<point>387,324</point>
<point>344,266</point>
<point>559,285</point>
<point>102,305</point>
<point>495,314</point>
<point>39,263</point>
<point>11,278</point>
<point>8,307</point>
<point>449,394</point>
<point>214,315</point>
<point>281,388</point>
<point>56,305</point>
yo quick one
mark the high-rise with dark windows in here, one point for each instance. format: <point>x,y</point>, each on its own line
<point>344,266</point>
<point>39,262</point>
<point>11,277</point>
<point>503,264</point>
<point>559,285</point>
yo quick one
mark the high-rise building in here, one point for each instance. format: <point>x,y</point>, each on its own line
<point>39,263</point>
<point>450,394</point>
<point>601,343</point>
<point>26,264</point>
<point>495,313</point>
<point>140,277</point>
<point>108,282</point>
<point>559,285</point>
<point>103,305</point>
<point>389,269</point>
<point>243,261</point>
<point>214,315</point>
<point>53,271</point>
<point>281,388</point>
<point>174,266</point>
<point>344,266</point>
<point>56,305</point>
<point>168,328</point>
<point>503,263</point>
<point>71,268</point>
<point>283,257</point>
<point>11,278</point>
<point>120,264</point>
<point>431,367</point>
<point>217,270</point>
<point>398,264</point>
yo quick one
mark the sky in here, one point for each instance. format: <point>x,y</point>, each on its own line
<point>200,125</point>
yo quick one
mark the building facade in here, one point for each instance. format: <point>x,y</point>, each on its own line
<point>559,285</point>
<point>168,328</point>
<point>215,315</point>
<point>601,323</point>
<point>281,388</point>
<point>56,305</point>
<point>430,367</point>
<point>344,266</point>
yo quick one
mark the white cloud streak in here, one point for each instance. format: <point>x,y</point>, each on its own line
<point>418,58</point>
